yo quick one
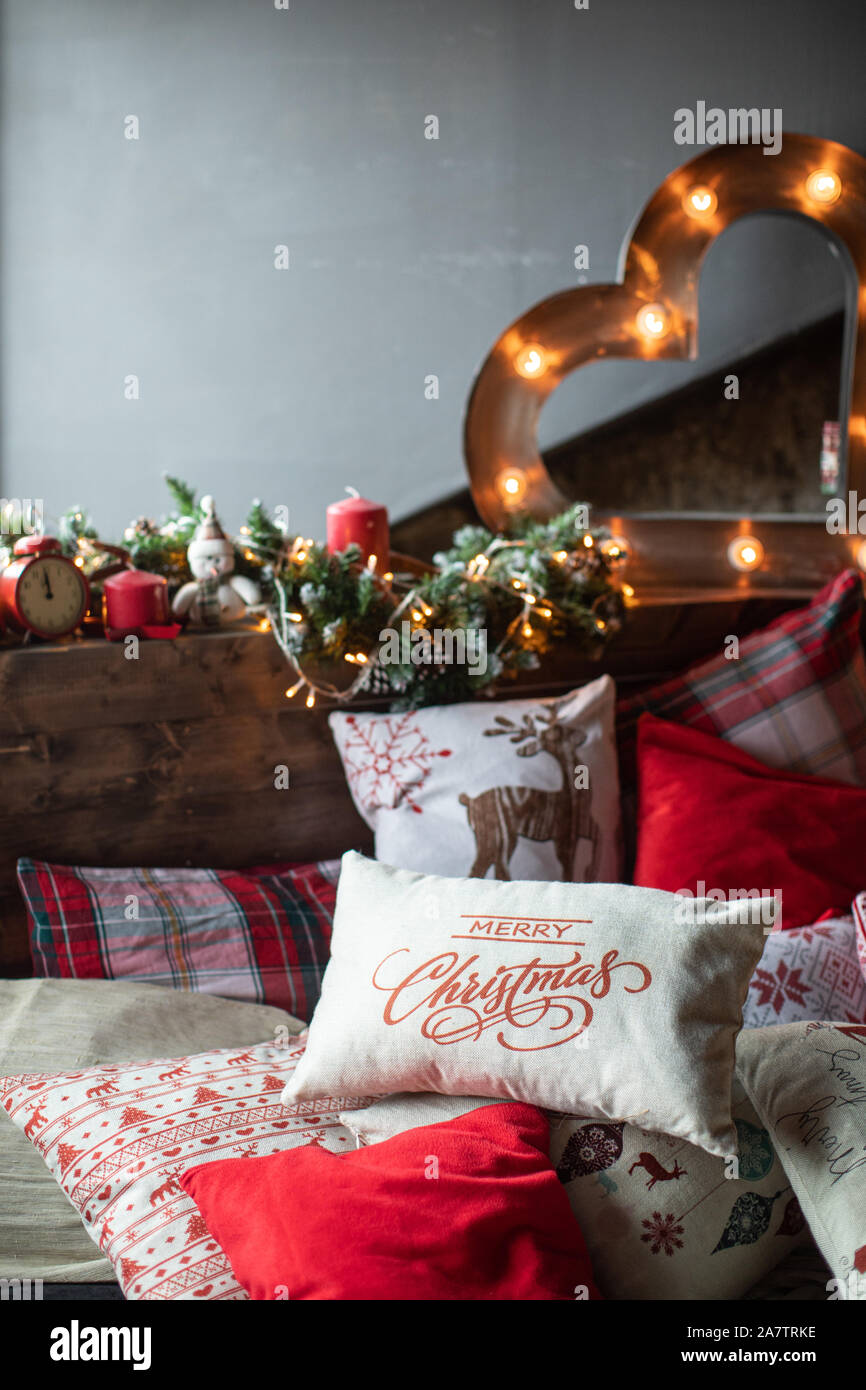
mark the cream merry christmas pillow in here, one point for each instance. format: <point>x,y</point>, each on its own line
<point>590,999</point>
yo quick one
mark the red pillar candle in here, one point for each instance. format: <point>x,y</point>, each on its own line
<point>357,521</point>
<point>136,602</point>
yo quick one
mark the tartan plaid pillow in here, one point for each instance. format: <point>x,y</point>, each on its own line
<point>795,698</point>
<point>261,935</point>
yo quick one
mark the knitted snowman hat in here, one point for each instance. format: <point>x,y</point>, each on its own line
<point>209,528</point>
<point>210,546</point>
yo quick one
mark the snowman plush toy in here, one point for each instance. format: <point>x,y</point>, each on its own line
<point>216,595</point>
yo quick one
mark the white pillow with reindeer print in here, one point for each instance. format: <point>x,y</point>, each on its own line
<point>593,999</point>
<point>510,789</point>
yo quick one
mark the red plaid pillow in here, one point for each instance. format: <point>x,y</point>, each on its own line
<point>261,935</point>
<point>795,698</point>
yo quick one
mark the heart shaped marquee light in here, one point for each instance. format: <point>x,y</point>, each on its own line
<point>651,312</point>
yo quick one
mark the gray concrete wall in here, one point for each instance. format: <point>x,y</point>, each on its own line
<point>306,127</point>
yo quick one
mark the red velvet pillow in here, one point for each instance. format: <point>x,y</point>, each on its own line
<point>467,1209</point>
<point>711,814</point>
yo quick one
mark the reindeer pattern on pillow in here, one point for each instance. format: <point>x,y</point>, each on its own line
<point>522,789</point>
<point>499,816</point>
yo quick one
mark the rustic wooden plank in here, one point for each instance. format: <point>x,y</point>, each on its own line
<point>210,834</point>
<point>193,757</point>
<point>88,682</point>
<point>47,688</point>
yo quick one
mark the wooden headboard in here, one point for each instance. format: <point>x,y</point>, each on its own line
<point>170,759</point>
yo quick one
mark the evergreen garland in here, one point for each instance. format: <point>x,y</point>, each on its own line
<point>544,583</point>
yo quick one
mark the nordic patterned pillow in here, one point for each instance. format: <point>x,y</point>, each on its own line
<point>808,973</point>
<point>117,1138</point>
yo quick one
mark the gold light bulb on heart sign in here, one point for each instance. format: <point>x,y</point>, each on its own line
<point>531,361</point>
<point>652,321</point>
<point>700,201</point>
<point>823,186</point>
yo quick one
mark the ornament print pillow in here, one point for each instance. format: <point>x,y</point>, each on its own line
<point>520,789</point>
<point>807,1081</point>
<point>582,998</point>
<point>661,1218</point>
<point>808,973</point>
<point>118,1138</point>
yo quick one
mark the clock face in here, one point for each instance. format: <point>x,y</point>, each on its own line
<point>51,596</point>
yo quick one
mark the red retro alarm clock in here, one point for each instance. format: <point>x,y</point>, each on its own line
<point>42,591</point>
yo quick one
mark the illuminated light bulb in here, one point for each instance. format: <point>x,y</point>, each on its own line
<point>627,591</point>
<point>79,560</point>
<point>652,321</point>
<point>347,656</point>
<point>527,629</point>
<point>601,625</point>
<point>417,615</point>
<point>545,612</point>
<point>560,556</point>
<point>745,553</point>
<point>248,555</point>
<point>372,561</point>
<point>361,658</point>
<point>512,485</point>
<point>245,531</point>
<point>300,556</point>
<point>589,542</point>
<point>388,576</point>
<point>615,548</point>
<point>530,598</point>
<point>293,690</point>
<point>823,186</point>
<point>264,625</point>
<point>428,611</point>
<point>531,361</point>
<point>517,584</point>
<point>700,201</point>
<point>295,617</point>
<point>311,699</point>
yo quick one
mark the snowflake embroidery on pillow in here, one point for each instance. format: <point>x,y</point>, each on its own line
<point>810,933</point>
<point>663,1233</point>
<point>776,989</point>
<point>387,761</point>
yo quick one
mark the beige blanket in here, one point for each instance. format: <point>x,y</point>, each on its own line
<point>61,1025</point>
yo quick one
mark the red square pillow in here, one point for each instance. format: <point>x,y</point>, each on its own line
<point>712,815</point>
<point>468,1209</point>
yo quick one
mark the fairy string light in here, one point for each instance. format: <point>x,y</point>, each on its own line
<point>527,592</point>
<point>333,618</point>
